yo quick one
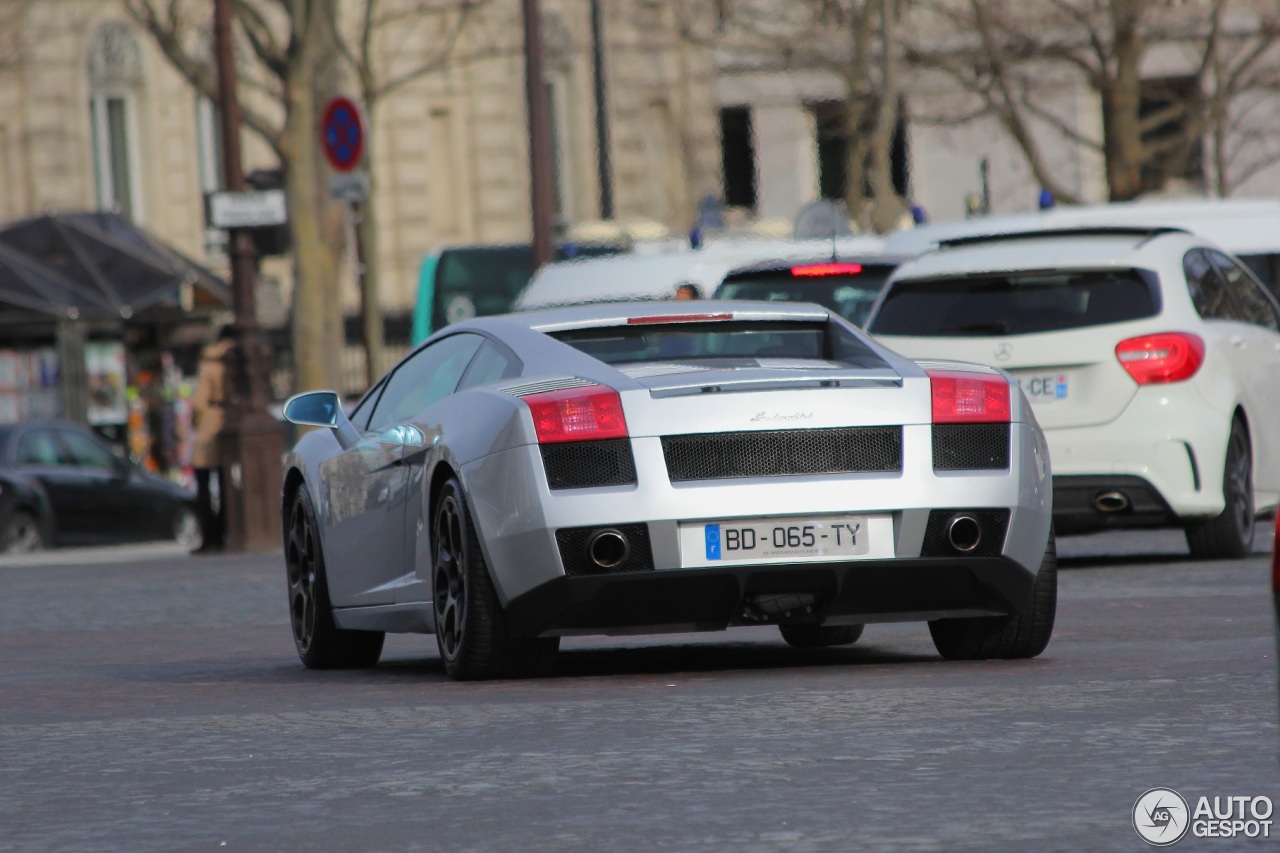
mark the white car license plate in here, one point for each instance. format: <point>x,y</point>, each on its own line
<point>1045,387</point>
<point>786,538</point>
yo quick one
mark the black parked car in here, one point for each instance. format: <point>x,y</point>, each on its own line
<point>69,488</point>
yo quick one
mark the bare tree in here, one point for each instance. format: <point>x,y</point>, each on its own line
<point>1015,58</point>
<point>854,41</point>
<point>302,52</point>
<point>291,43</point>
<point>383,45</point>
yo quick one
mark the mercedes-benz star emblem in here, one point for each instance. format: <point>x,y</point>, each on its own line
<point>1004,352</point>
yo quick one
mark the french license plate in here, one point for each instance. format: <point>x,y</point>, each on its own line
<point>786,538</point>
<point>1045,387</point>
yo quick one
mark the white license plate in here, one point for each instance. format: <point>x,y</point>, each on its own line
<point>1045,387</point>
<point>786,538</point>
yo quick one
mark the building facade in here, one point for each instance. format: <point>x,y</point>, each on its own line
<point>780,151</point>
<point>93,115</point>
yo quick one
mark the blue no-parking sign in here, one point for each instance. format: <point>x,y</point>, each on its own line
<point>342,134</point>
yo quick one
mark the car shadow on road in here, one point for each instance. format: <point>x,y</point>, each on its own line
<point>1118,560</point>
<point>688,658</point>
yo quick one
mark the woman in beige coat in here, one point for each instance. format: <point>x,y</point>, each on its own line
<point>208,413</point>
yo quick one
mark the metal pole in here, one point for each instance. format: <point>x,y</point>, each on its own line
<point>542,192</point>
<point>251,443</point>
<point>603,166</point>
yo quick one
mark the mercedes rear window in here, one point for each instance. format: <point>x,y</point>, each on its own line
<point>723,343</point>
<point>849,295</point>
<point>1018,304</point>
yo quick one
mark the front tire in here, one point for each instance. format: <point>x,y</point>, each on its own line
<point>1024,634</point>
<point>320,643</point>
<point>1230,535</point>
<point>820,636</point>
<point>471,627</point>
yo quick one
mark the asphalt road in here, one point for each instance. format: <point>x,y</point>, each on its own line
<point>153,701</point>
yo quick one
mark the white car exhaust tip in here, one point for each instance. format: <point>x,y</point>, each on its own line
<point>1111,501</point>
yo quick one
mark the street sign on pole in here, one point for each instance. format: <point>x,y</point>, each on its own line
<point>351,187</point>
<point>342,134</point>
<point>248,209</point>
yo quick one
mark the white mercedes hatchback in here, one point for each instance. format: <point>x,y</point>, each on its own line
<point>1151,359</point>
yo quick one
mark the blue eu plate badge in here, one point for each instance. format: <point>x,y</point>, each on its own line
<point>713,541</point>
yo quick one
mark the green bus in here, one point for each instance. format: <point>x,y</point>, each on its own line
<point>460,282</point>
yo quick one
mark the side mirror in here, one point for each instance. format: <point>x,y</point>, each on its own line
<point>322,409</point>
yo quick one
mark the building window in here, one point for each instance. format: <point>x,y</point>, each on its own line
<point>446,174</point>
<point>209,164</point>
<point>209,146</point>
<point>738,154</point>
<point>1166,108</point>
<point>115,75</point>
<point>558,145</point>
<point>831,121</point>
<point>833,148</point>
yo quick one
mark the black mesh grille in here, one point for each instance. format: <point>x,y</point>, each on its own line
<point>970,447</point>
<point>573,549</point>
<point>581,464</point>
<point>992,522</point>
<point>713,456</point>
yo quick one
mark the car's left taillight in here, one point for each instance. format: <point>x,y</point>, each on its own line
<point>961,397</point>
<point>577,414</point>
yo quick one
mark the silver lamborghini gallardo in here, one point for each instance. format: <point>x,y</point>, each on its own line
<point>637,468</point>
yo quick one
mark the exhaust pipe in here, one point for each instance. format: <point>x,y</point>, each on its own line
<point>1110,501</point>
<point>608,549</point>
<point>964,533</point>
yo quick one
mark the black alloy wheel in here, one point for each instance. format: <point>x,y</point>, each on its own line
<point>320,643</point>
<point>471,626</point>
<point>1022,634</point>
<point>449,580</point>
<point>1230,534</point>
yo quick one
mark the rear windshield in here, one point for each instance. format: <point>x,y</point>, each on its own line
<point>850,296</point>
<point>725,344</point>
<point>1020,304</point>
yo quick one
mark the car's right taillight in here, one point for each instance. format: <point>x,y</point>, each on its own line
<point>1165,357</point>
<point>961,397</point>
<point>577,414</point>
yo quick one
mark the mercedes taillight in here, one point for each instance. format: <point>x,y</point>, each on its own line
<point>1164,357</point>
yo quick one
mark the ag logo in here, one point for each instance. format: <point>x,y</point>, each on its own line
<point>1161,817</point>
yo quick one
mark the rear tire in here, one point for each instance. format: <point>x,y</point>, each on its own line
<point>320,642</point>
<point>1230,535</point>
<point>471,627</point>
<point>21,534</point>
<point>1020,635</point>
<point>820,636</point>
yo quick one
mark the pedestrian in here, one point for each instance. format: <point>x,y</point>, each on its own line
<point>208,412</point>
<point>687,292</point>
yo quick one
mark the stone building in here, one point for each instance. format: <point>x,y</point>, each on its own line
<point>781,134</point>
<point>92,115</point>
